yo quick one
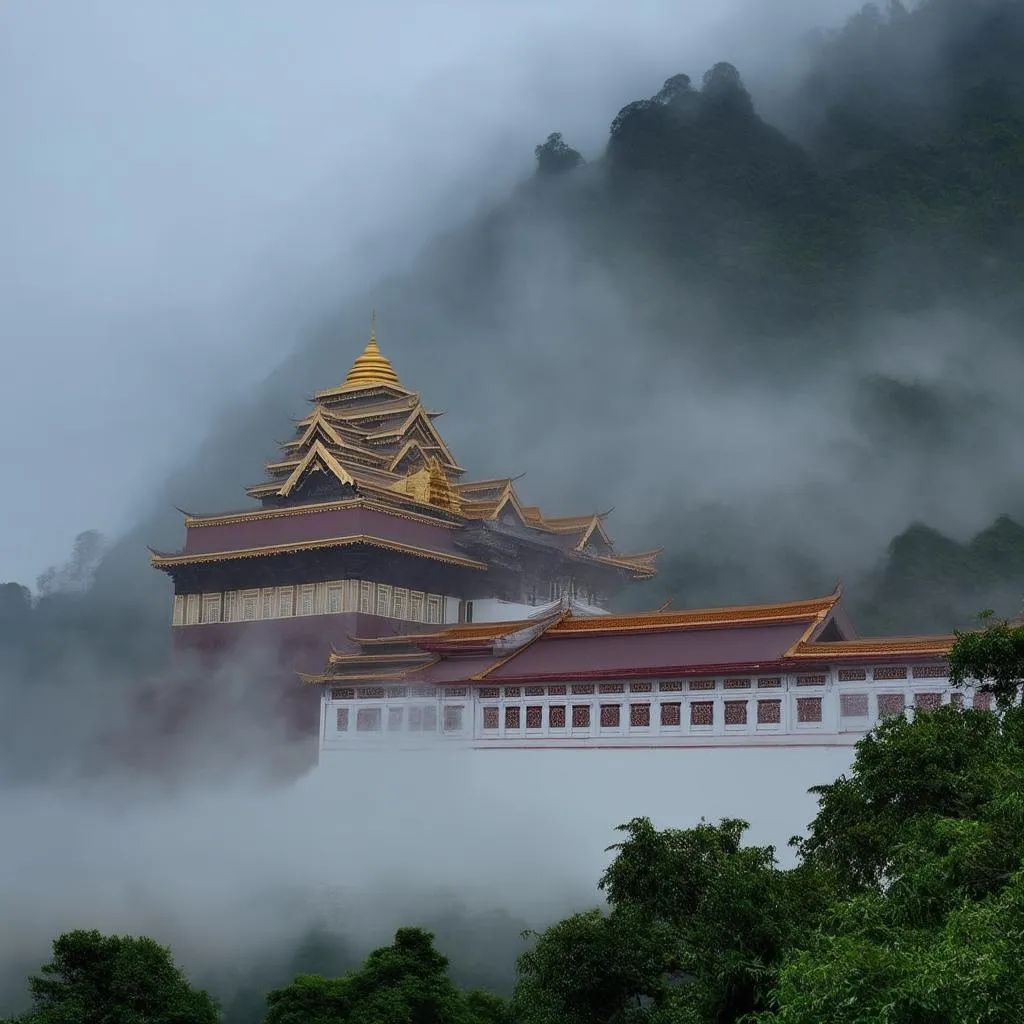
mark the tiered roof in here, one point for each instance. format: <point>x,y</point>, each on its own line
<point>567,645</point>
<point>371,436</point>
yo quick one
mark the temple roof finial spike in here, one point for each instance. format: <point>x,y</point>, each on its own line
<point>372,368</point>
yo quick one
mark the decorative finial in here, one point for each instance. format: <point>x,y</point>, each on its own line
<point>371,369</point>
<point>373,325</point>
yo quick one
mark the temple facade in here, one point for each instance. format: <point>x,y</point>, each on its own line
<point>790,674</point>
<point>364,527</point>
<point>399,603</point>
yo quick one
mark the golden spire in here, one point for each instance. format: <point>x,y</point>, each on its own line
<point>371,368</point>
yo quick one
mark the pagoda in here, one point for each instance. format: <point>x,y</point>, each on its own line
<point>366,527</point>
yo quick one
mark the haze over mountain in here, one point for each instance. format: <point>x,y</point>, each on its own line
<point>773,317</point>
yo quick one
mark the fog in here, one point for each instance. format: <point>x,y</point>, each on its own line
<point>201,206</point>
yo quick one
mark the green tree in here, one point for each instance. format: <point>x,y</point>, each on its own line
<point>555,156</point>
<point>115,979</point>
<point>994,657</point>
<point>404,983</point>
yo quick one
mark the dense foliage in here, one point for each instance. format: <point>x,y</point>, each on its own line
<point>906,903</point>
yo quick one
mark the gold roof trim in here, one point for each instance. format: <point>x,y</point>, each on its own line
<point>324,506</point>
<point>162,561</point>
<point>866,647</point>
<point>318,457</point>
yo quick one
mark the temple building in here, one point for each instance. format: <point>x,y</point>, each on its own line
<point>365,527</point>
<point>400,603</point>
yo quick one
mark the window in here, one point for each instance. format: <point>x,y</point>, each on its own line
<point>610,716</point>
<point>490,718</point>
<point>469,611</point>
<point>267,603</point>
<point>335,598</point>
<point>890,704</point>
<point>417,603</point>
<point>341,721</point>
<point>365,597</point>
<point>368,720</point>
<point>639,716</point>
<point>395,716</point>
<point>307,599</point>
<point>702,713</point>
<point>415,719</point>
<point>769,712</point>
<point>285,602</point>
<point>735,712</point>
<point>178,616</point>
<point>853,705</point>
<point>512,717</point>
<point>581,716</point>
<point>383,606</point>
<point>430,718</point>
<point>534,716</point>
<point>671,714</point>
<point>453,719</point>
<point>433,608</point>
<point>211,607</point>
<point>400,603</point>
<point>556,716</point>
<point>808,709</point>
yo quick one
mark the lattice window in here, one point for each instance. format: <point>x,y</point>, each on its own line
<point>890,704</point>
<point>488,692</point>
<point>513,691</point>
<point>702,684</point>
<point>982,702</point>
<point>808,710</point>
<point>641,687</point>
<point>769,683</point>
<point>250,605</point>
<point>417,606</point>
<point>853,705</point>
<point>178,615</point>
<point>320,603</point>
<point>927,701</point>
<point>232,606</point>
<point>400,603</point>
<point>434,608</point>
<point>931,671</point>
<point>415,720</point>
<point>453,718</point>
<point>512,716</point>
<point>737,684</point>
<point>335,598</point>
<point>581,689</point>
<point>581,716</point>
<point>534,716</point>
<point>368,720</point>
<point>852,675</point>
<point>372,692</point>
<point>457,691</point>
<point>430,718</point>
<point>212,607</point>
<point>557,691</point>
<point>534,691</point>
<point>341,720</point>
<point>490,718</point>
<point>611,688</point>
<point>382,606</point>
<point>769,712</point>
<point>639,716</point>
<point>671,713</point>
<point>702,713</point>
<point>673,687</point>
<point>810,680</point>
<point>351,600</point>
<point>285,602</point>
<point>343,693</point>
<point>889,672</point>
<point>365,596</point>
<point>735,712</point>
<point>268,603</point>
<point>396,691</point>
<point>611,715</point>
<point>556,716</point>
<point>307,599</point>
<point>422,691</point>
<point>192,610</point>
<point>395,716</point>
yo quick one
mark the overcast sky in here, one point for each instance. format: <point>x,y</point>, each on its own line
<point>177,179</point>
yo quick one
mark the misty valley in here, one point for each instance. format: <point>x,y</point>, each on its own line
<point>711,711</point>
